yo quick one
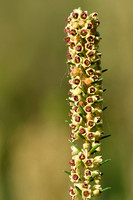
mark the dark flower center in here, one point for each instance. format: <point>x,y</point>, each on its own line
<point>83,15</point>
<point>75,15</point>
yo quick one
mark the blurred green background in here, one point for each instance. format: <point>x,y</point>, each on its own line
<point>34,148</point>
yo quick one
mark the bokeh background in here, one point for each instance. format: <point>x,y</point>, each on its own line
<point>34,148</point>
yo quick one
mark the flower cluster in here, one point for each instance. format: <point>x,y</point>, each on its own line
<point>85,99</point>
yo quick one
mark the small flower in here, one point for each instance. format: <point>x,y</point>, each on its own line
<point>86,193</point>
<point>89,117</point>
<point>75,151</point>
<point>75,71</point>
<point>84,15</point>
<point>97,160</point>
<point>90,72</point>
<point>90,136</point>
<point>89,163</point>
<point>87,174</point>
<point>72,192</point>
<point>86,146</point>
<point>75,25</point>
<point>77,59</point>
<point>76,91</point>
<point>79,48</point>
<point>86,62</point>
<point>82,130</point>
<point>90,100</point>
<point>92,90</point>
<point>73,32</point>
<point>96,190</point>
<point>87,81</point>
<point>98,135</point>
<point>91,123</point>
<point>83,32</point>
<point>74,178</point>
<point>90,38</point>
<point>81,23</point>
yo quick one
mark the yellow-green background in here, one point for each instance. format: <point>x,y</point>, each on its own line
<point>34,148</point>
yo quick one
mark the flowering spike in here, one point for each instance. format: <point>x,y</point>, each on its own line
<point>85,99</point>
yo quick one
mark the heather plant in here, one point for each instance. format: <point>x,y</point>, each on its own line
<point>86,102</point>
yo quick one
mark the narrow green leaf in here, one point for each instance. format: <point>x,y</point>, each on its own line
<point>93,148</point>
<point>67,172</point>
<point>98,80</point>
<point>80,192</point>
<point>84,89</point>
<point>92,178</point>
<point>82,69</point>
<point>95,61</point>
<point>82,94</point>
<point>105,108</point>
<point>104,90</point>
<point>68,121</point>
<point>107,188</point>
<point>70,100</point>
<point>104,70</point>
<point>75,145</point>
<point>98,101</point>
<point>105,161</point>
<point>82,110</point>
<point>70,63</point>
<point>105,136</point>
<point>80,135</point>
<point>97,124</point>
<point>80,54</point>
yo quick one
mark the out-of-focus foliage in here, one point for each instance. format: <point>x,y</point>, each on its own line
<point>34,146</point>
